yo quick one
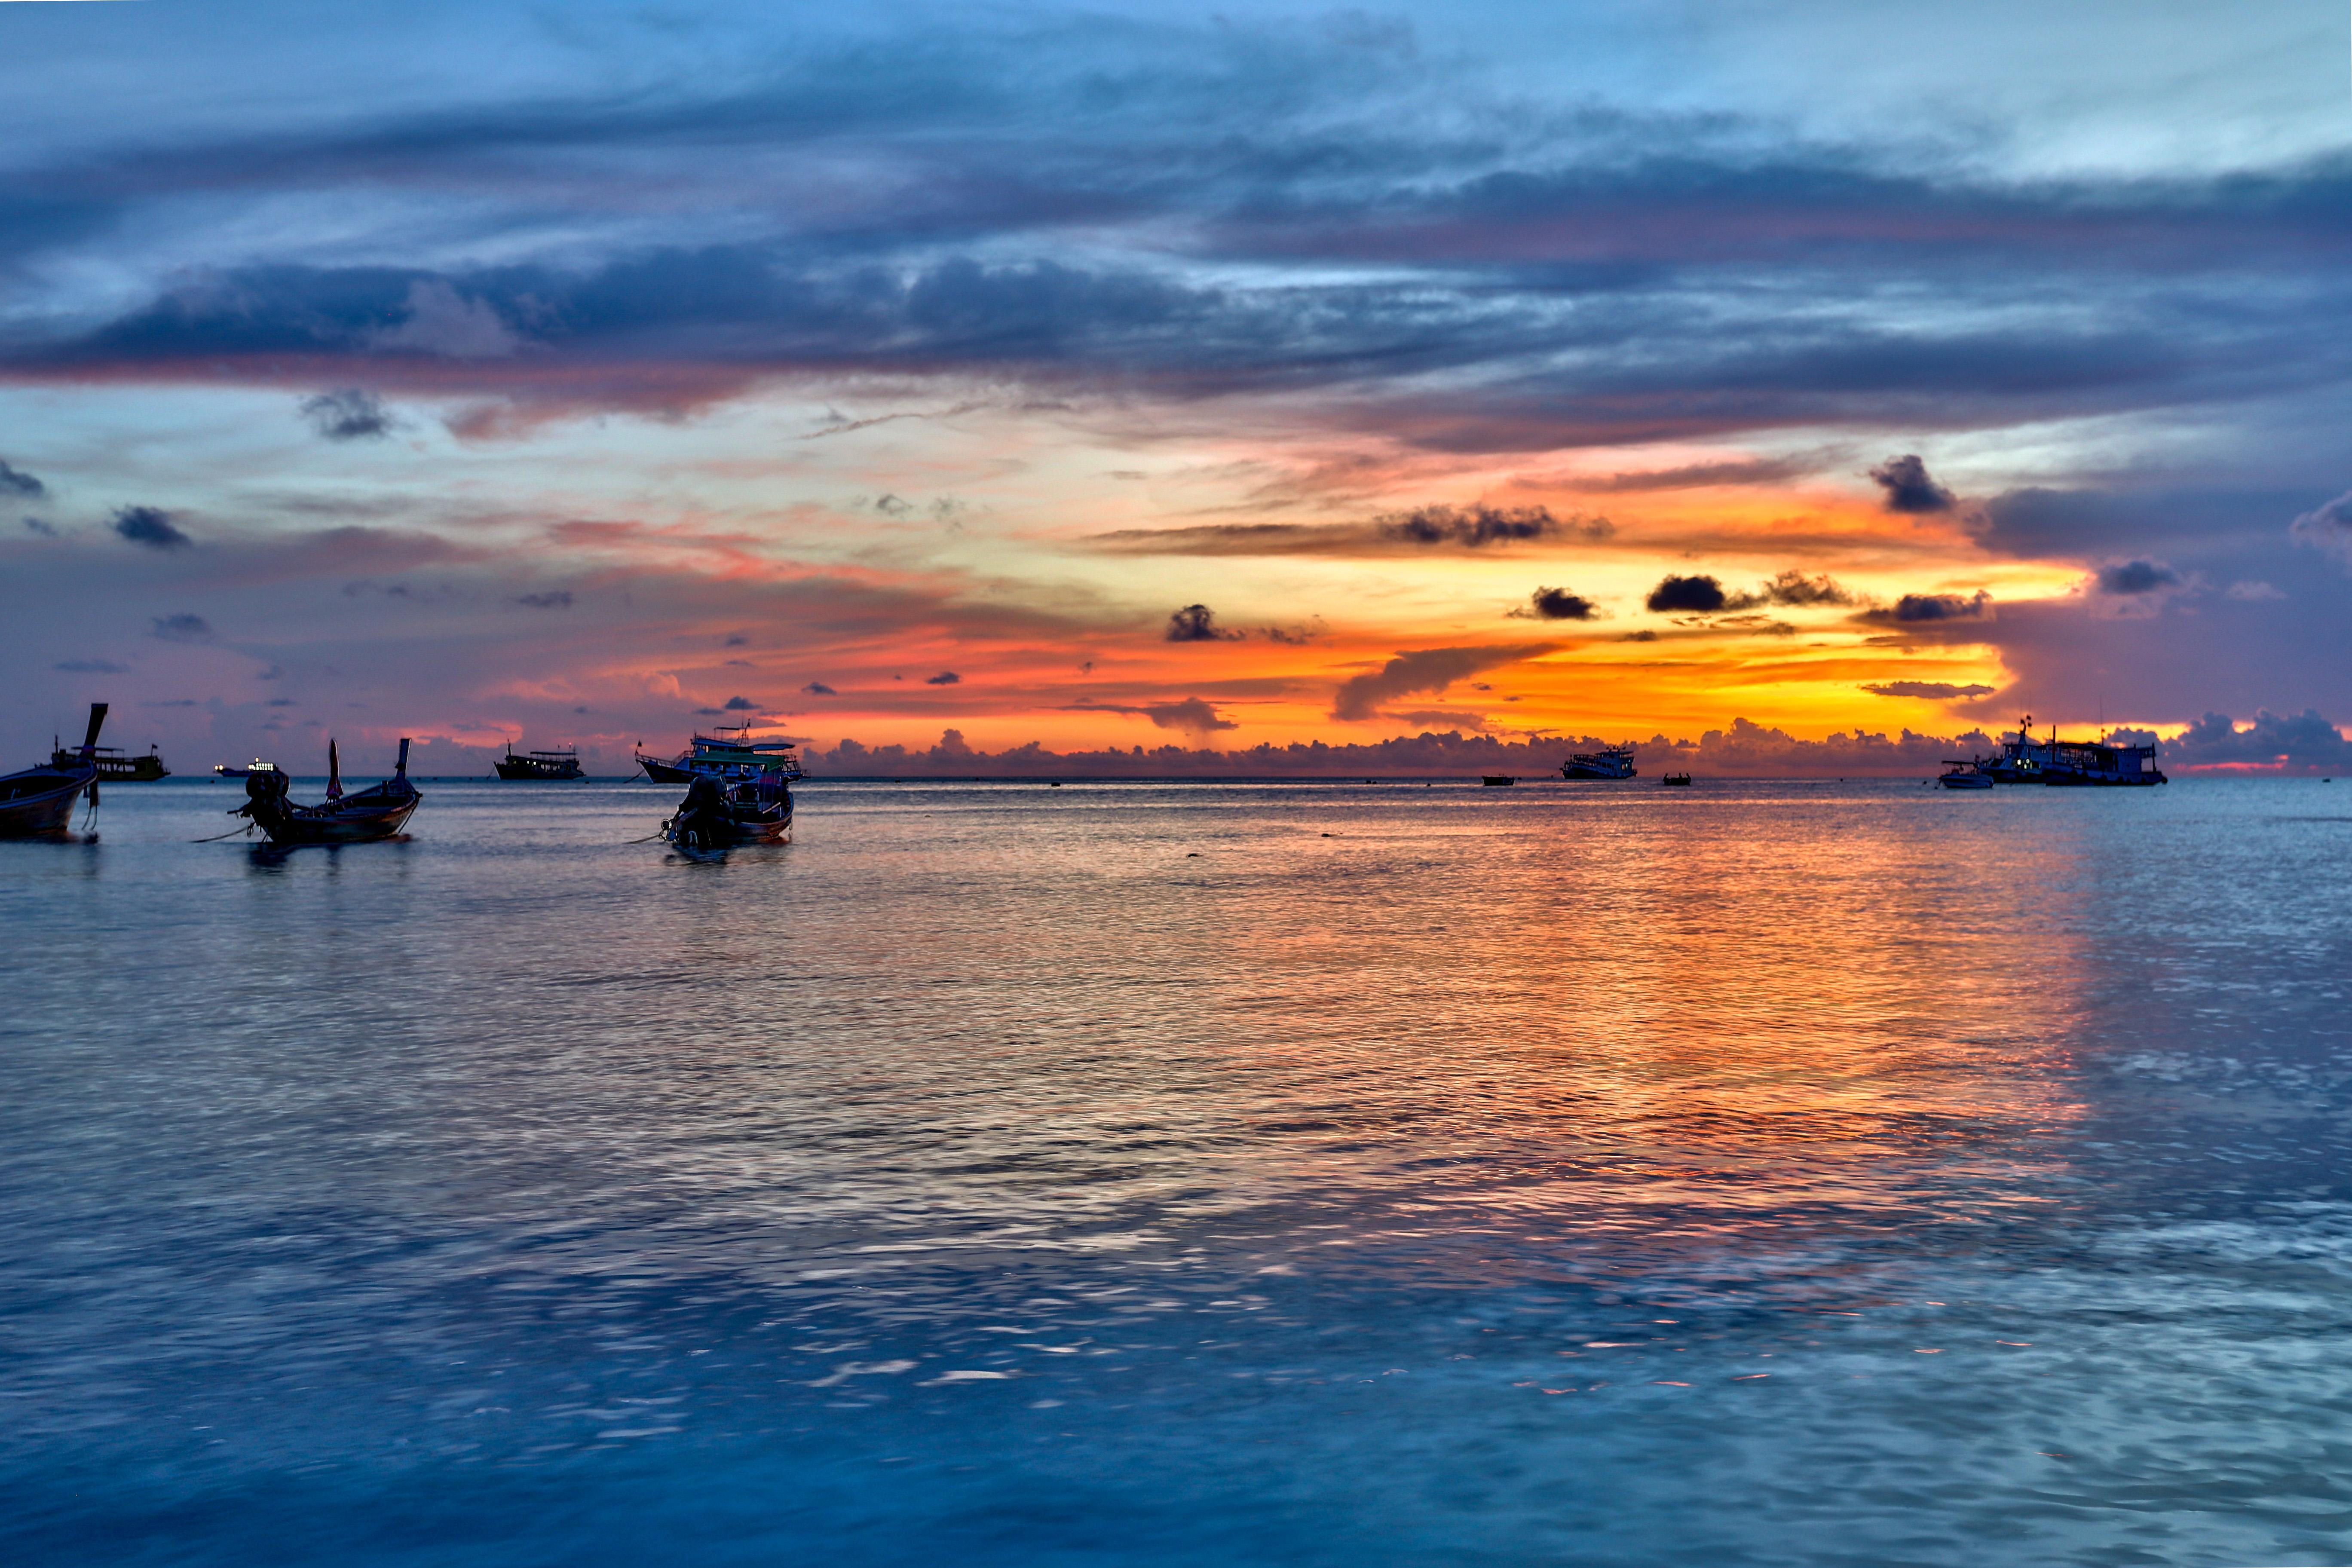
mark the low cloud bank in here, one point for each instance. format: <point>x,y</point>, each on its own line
<point>1744,750</point>
<point>2302,744</point>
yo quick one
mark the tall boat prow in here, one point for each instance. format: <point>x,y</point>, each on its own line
<point>39,800</point>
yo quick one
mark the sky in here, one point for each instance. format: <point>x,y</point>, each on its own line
<point>1128,375</point>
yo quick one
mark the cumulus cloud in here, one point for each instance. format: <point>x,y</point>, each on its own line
<point>1198,623</point>
<point>1918,609</point>
<point>2327,528</point>
<point>150,526</point>
<point>2303,743</point>
<point>348,415</point>
<point>944,678</point>
<point>740,705</point>
<point>182,627</point>
<point>2133,578</point>
<point>1427,670</point>
<point>1558,604</point>
<point>1697,595</point>
<point>1908,489</point>
<point>1935,691</point>
<point>819,689</point>
<point>16,481</point>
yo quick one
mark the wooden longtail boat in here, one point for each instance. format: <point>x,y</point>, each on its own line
<point>376,813</point>
<point>716,815</point>
<point>37,802</point>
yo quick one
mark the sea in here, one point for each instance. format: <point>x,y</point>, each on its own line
<point>1189,1174</point>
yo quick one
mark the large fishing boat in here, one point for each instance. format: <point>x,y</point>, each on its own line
<point>539,764</point>
<point>113,767</point>
<point>37,802</point>
<point>370,814</point>
<point>2024,760</point>
<point>1609,763</point>
<point>725,755</point>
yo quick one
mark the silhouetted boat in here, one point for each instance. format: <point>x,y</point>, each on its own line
<point>39,800</point>
<point>1609,763</point>
<point>113,767</point>
<point>539,764</point>
<point>1681,781</point>
<point>2055,762</point>
<point>1495,780</point>
<point>724,755</point>
<point>1969,775</point>
<point>376,813</point>
<point>718,813</point>
<point>222,770</point>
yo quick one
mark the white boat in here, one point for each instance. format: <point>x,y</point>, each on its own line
<point>1609,763</point>
<point>1969,775</point>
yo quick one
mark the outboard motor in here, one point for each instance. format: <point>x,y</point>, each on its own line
<point>265,796</point>
<point>702,821</point>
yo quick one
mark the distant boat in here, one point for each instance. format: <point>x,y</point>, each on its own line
<point>1969,775</point>
<point>1680,781</point>
<point>1611,762</point>
<point>371,814</point>
<point>2054,761</point>
<point>1496,781</point>
<point>39,800</point>
<point>113,767</point>
<point>716,814</point>
<point>726,753</point>
<point>539,764</point>
<point>222,770</point>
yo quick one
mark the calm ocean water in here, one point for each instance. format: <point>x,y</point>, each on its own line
<point>1189,1174</point>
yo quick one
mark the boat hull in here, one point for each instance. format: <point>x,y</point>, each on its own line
<point>340,826</point>
<point>38,804</point>
<point>1966,781</point>
<point>662,771</point>
<point>1596,775</point>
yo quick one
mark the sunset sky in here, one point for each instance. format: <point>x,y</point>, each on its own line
<point>1131,375</point>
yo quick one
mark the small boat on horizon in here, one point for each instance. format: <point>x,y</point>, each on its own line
<point>1609,763</point>
<point>1679,781</point>
<point>113,767</point>
<point>378,812</point>
<point>37,802</point>
<point>544,765</point>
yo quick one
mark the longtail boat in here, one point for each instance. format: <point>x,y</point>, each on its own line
<point>39,800</point>
<point>375,812</point>
<point>716,814</point>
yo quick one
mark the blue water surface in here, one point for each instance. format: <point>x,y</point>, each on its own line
<point>1169,1174</point>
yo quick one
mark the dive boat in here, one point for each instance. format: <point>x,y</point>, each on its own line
<point>539,764</point>
<point>718,813</point>
<point>371,814</point>
<point>2055,762</point>
<point>724,755</point>
<point>113,767</point>
<point>1609,763</point>
<point>39,800</point>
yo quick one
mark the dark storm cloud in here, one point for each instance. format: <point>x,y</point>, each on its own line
<point>1927,609</point>
<point>1791,589</point>
<point>1197,623</point>
<point>1699,594</point>
<point>1559,604</point>
<point>16,481</point>
<point>2132,578</point>
<point>182,627</point>
<point>1481,525</point>
<point>150,526</point>
<point>1191,715</point>
<point>350,414</point>
<point>1906,487</point>
<point>1429,669</point>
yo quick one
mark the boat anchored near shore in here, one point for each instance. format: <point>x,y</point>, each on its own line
<point>378,812</point>
<point>36,803</point>
<point>1609,763</point>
